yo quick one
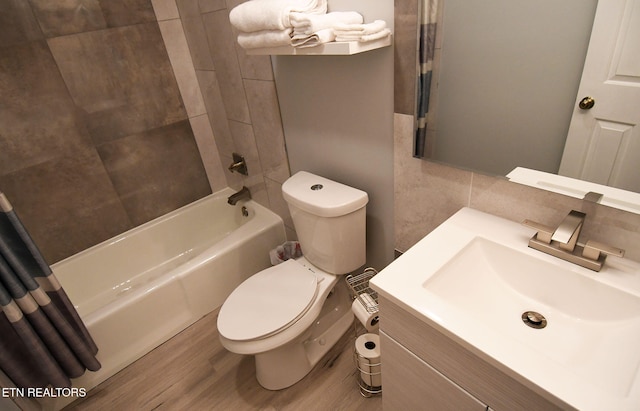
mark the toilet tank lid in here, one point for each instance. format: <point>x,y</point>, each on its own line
<point>321,196</point>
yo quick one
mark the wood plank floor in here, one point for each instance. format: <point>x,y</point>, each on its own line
<point>193,371</point>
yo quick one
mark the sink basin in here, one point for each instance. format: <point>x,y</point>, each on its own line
<point>475,278</point>
<point>588,323</point>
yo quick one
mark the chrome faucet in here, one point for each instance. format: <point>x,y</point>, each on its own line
<point>243,194</point>
<point>562,242</point>
<point>568,231</point>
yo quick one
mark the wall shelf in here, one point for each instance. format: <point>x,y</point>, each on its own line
<point>327,49</point>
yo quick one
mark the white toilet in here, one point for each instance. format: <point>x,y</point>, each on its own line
<point>291,314</point>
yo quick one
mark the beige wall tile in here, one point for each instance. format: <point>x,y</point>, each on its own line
<point>254,67</point>
<point>61,18</point>
<point>269,137</point>
<point>207,6</point>
<point>208,151</point>
<point>191,18</point>
<point>277,204</point>
<point>214,103</point>
<point>518,202</point>
<point>67,203</point>
<point>154,172</point>
<point>38,117</point>
<point>178,50</point>
<point>258,187</point>
<point>222,45</point>
<point>426,194</point>
<point>121,78</point>
<point>165,9</point>
<point>19,24</point>
<point>245,143</point>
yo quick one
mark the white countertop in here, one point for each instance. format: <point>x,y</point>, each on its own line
<point>406,282</point>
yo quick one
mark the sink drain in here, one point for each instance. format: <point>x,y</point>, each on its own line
<point>534,319</point>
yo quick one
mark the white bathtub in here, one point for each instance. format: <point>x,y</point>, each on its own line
<point>139,289</point>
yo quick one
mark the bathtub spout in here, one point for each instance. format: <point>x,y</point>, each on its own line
<point>243,194</point>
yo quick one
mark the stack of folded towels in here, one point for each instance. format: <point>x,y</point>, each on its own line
<point>311,30</point>
<point>300,23</point>
<point>266,23</point>
<point>362,32</point>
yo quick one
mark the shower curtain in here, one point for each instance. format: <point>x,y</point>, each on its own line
<point>43,342</point>
<point>426,49</point>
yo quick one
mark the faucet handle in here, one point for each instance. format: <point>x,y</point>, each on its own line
<point>238,164</point>
<point>592,250</point>
<point>544,231</point>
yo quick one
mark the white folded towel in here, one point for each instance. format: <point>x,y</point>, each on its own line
<point>304,23</point>
<point>257,15</point>
<point>265,38</point>
<point>360,29</point>
<point>315,39</point>
<point>362,32</point>
<point>365,37</point>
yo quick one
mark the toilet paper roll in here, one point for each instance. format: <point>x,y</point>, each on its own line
<point>368,353</point>
<point>369,320</point>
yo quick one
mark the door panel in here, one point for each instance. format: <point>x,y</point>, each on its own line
<point>603,144</point>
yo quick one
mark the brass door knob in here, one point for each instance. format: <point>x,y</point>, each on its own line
<point>586,103</point>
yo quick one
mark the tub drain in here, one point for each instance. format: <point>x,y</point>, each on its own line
<point>534,319</point>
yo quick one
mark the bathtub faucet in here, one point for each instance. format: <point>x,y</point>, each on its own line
<point>243,194</point>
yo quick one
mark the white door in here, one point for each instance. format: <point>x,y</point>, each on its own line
<point>603,144</point>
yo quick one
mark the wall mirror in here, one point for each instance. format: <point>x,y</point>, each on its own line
<point>509,85</point>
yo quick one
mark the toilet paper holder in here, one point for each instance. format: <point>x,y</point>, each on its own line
<point>359,285</point>
<point>369,371</point>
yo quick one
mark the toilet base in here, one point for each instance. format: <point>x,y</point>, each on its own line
<point>286,365</point>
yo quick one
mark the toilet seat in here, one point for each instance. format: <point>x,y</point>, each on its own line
<point>268,302</point>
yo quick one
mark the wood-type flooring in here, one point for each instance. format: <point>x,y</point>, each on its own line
<point>193,371</point>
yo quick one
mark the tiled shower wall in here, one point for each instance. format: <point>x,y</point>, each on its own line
<point>94,136</point>
<point>239,95</point>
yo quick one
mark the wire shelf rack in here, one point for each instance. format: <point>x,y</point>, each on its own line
<point>359,285</point>
<point>368,373</point>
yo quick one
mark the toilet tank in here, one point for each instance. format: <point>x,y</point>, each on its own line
<point>330,220</point>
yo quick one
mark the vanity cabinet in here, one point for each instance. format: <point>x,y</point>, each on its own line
<point>425,369</point>
<point>412,384</point>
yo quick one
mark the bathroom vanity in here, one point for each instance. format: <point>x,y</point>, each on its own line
<point>424,366</point>
<point>472,318</point>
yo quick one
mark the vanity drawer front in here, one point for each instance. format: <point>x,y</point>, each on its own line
<point>412,384</point>
<point>475,375</point>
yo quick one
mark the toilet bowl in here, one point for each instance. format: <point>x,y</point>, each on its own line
<point>288,316</point>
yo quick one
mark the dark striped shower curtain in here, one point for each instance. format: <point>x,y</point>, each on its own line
<point>426,50</point>
<point>43,342</point>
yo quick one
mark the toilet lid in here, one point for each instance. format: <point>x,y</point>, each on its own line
<point>267,302</point>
